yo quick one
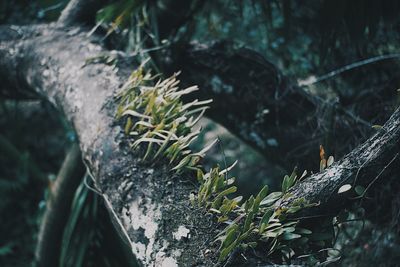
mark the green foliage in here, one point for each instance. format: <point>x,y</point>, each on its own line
<point>24,173</point>
<point>89,233</point>
<point>256,222</point>
<point>157,119</point>
<point>118,14</point>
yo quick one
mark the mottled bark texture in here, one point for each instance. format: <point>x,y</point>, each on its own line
<point>372,162</point>
<point>149,203</point>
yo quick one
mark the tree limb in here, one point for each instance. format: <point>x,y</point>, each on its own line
<point>149,203</point>
<point>80,11</point>
<point>255,101</point>
<point>377,158</point>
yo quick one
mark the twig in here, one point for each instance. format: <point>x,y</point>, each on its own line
<point>351,66</point>
<point>379,174</point>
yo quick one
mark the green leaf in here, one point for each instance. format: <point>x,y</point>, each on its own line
<point>225,252</point>
<point>330,161</point>
<point>285,183</point>
<point>135,114</point>
<point>217,202</point>
<point>6,249</point>
<point>275,233</point>
<point>270,199</point>
<point>303,231</point>
<point>182,163</point>
<point>263,192</point>
<point>290,236</point>
<point>293,209</point>
<point>245,234</point>
<point>360,190</point>
<point>261,195</point>
<point>252,244</point>
<point>249,203</point>
<point>200,176</point>
<point>344,188</point>
<point>264,220</point>
<point>248,221</point>
<point>289,229</point>
<point>227,206</point>
<point>231,235</point>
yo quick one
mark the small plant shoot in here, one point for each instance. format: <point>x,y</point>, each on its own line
<point>156,119</point>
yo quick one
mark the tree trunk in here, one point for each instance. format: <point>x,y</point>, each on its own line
<point>148,203</point>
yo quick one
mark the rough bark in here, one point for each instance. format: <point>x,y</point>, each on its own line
<point>372,162</point>
<point>150,204</point>
<point>58,208</point>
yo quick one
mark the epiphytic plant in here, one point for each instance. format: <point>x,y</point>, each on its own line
<point>157,117</point>
<point>157,120</point>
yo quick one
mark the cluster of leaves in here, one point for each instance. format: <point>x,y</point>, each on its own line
<point>158,121</point>
<point>256,222</point>
<point>118,14</point>
<point>156,116</point>
<point>132,25</point>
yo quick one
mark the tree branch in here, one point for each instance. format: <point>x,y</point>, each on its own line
<point>264,108</point>
<point>377,158</point>
<point>149,203</point>
<point>80,12</point>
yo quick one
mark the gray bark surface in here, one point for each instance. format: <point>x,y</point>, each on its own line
<point>149,203</point>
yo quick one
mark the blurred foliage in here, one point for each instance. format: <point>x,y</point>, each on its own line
<point>22,12</point>
<point>251,165</point>
<point>362,243</point>
<point>89,234</point>
<point>27,130</point>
